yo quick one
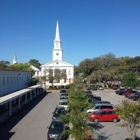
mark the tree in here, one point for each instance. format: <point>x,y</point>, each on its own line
<point>54,74</point>
<point>4,64</point>
<point>21,66</point>
<point>34,62</point>
<point>78,117</point>
<point>130,113</point>
<point>130,79</point>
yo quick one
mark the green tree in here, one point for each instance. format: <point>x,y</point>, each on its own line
<point>130,113</point>
<point>21,66</point>
<point>54,74</point>
<point>130,79</point>
<point>34,62</point>
<point>78,116</point>
<point>4,64</point>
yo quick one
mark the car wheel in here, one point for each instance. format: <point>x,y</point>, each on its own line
<point>114,120</point>
<point>96,120</point>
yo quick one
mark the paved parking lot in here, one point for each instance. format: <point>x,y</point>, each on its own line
<point>31,122</point>
<point>110,130</point>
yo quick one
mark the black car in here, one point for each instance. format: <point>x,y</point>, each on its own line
<point>90,97</point>
<point>58,111</point>
<point>63,92</point>
<point>136,96</point>
<point>55,131</point>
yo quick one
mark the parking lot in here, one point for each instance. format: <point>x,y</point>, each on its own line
<point>32,121</point>
<point>110,130</point>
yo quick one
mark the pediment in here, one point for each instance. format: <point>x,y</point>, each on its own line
<point>57,63</point>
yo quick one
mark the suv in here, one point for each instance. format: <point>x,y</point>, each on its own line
<point>98,107</point>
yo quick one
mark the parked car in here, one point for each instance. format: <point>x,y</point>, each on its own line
<point>122,87</point>
<point>63,91</point>
<point>63,94</point>
<point>98,107</point>
<point>128,92</point>
<point>100,88</point>
<point>93,87</point>
<point>136,96</point>
<point>55,131</point>
<point>64,103</point>
<point>130,96</point>
<point>90,97</point>
<point>57,112</point>
<point>63,97</point>
<point>105,115</point>
<point>114,87</point>
<point>121,92</point>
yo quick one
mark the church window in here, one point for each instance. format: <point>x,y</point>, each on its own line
<point>57,63</point>
<point>57,53</point>
<point>37,72</point>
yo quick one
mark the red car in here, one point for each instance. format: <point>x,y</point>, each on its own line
<point>114,87</point>
<point>105,115</point>
<point>128,92</point>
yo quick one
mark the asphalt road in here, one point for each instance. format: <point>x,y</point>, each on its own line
<point>32,121</point>
<point>110,130</point>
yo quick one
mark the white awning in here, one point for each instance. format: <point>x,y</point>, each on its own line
<point>16,94</point>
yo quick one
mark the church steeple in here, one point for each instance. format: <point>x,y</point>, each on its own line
<point>57,36</point>
<point>15,60</point>
<point>57,50</point>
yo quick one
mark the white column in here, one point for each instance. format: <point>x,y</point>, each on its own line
<point>10,108</point>
<point>30,95</point>
<point>19,102</point>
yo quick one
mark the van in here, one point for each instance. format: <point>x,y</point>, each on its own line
<point>98,107</point>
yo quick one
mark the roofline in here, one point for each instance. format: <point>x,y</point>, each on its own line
<point>15,70</point>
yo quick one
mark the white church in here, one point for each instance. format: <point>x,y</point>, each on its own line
<point>56,63</point>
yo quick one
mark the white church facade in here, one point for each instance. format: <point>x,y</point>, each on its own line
<point>56,63</point>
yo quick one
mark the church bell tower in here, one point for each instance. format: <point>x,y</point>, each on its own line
<point>57,50</point>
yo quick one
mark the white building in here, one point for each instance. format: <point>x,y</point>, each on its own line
<point>57,63</point>
<point>11,81</point>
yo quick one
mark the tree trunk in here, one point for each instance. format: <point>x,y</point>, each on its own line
<point>132,135</point>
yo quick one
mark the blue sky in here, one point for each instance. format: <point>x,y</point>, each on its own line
<point>88,29</point>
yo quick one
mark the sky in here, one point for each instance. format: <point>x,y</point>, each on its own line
<point>88,29</point>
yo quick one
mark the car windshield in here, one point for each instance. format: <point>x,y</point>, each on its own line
<point>56,125</point>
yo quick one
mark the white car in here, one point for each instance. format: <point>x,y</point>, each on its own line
<point>98,107</point>
<point>100,88</point>
<point>63,103</point>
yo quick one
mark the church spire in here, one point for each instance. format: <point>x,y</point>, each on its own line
<point>14,59</point>
<point>57,36</point>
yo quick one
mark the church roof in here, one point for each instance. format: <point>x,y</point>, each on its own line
<point>57,63</point>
